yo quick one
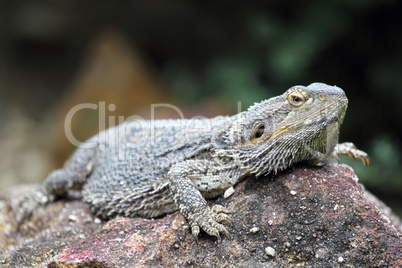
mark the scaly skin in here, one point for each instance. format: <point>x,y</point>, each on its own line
<point>152,168</point>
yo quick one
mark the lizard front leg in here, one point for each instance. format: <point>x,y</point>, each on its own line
<point>185,181</point>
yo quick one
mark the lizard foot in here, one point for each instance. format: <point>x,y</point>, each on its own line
<point>349,149</point>
<point>29,202</point>
<point>209,220</point>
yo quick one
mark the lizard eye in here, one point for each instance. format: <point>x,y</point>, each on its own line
<point>296,99</point>
<point>258,134</point>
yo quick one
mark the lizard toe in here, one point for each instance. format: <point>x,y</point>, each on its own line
<point>219,209</point>
<point>212,227</point>
<point>195,230</point>
<point>349,149</point>
<point>225,231</point>
<point>223,217</point>
<point>358,154</point>
<point>208,221</point>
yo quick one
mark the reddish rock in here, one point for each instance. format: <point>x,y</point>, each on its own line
<point>316,217</point>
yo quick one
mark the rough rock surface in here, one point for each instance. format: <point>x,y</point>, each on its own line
<point>315,217</point>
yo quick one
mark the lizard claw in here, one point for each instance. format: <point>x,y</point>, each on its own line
<point>208,219</point>
<point>223,217</point>
<point>195,230</point>
<point>218,236</point>
<point>220,209</point>
<point>349,149</point>
<point>226,232</point>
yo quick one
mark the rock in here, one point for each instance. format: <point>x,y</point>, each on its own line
<point>270,251</point>
<point>229,192</point>
<point>317,217</point>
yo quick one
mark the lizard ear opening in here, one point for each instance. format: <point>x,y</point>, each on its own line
<point>259,132</point>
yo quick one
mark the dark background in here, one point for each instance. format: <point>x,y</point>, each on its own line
<point>204,57</point>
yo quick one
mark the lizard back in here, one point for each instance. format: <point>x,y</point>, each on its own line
<point>129,176</point>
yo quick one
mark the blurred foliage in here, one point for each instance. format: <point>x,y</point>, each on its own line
<point>233,51</point>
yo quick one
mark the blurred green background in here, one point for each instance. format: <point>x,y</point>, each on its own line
<point>203,54</point>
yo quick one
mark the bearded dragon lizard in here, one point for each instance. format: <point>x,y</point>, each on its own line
<point>152,168</point>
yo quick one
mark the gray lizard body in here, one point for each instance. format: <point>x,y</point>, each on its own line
<point>151,168</point>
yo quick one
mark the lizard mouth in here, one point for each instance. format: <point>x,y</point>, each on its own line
<point>284,128</point>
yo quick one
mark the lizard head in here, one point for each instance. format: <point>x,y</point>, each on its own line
<point>300,125</point>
